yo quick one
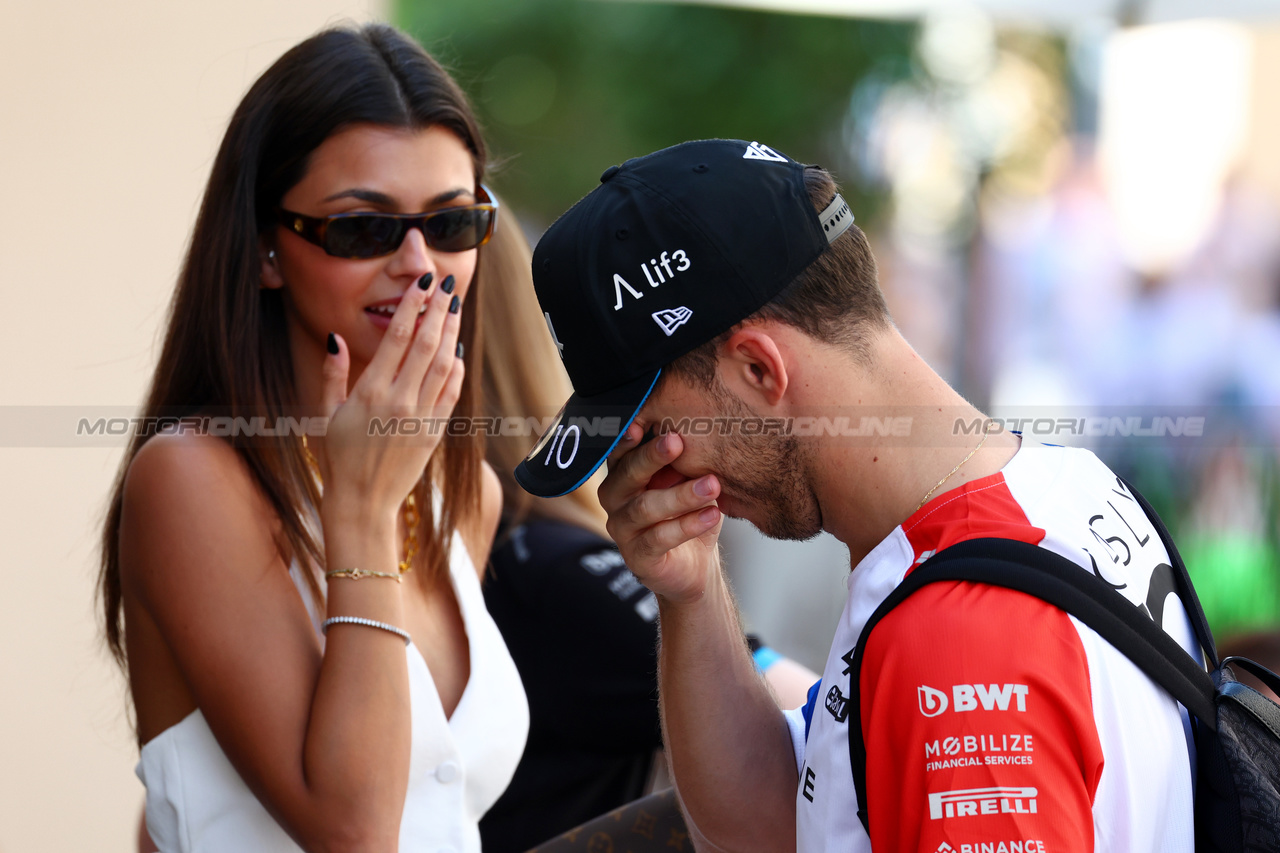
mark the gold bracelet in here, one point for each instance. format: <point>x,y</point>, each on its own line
<point>356,574</point>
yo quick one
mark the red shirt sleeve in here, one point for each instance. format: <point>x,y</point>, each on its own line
<point>978,723</point>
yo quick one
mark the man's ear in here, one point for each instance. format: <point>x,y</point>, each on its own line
<point>269,278</point>
<point>755,364</point>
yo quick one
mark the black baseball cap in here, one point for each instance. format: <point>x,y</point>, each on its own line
<point>668,252</point>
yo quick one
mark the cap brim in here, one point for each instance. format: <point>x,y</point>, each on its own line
<point>582,437</point>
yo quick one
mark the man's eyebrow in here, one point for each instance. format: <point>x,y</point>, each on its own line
<point>384,200</point>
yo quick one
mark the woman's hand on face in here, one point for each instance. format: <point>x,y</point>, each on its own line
<point>415,375</point>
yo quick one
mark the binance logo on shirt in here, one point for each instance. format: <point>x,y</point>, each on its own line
<point>1017,845</point>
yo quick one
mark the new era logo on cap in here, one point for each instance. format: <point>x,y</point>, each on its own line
<point>756,151</point>
<point>670,318</point>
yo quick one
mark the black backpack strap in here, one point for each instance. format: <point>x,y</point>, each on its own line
<point>1064,584</point>
<point>1186,592</point>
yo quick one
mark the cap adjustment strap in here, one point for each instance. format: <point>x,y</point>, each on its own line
<point>836,218</point>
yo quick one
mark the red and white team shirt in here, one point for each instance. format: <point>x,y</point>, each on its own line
<point>994,722</point>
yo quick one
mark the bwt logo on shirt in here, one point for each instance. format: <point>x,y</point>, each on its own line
<point>972,802</point>
<point>967,697</point>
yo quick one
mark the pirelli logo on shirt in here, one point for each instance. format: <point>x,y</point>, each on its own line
<point>971,802</point>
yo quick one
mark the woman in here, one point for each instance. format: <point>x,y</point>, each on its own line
<point>263,586</point>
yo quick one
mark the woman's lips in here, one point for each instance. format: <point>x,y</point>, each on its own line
<point>382,319</point>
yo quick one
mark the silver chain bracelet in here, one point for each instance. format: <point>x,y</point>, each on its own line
<point>368,623</point>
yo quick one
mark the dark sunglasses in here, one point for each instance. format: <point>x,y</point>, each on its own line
<point>371,235</point>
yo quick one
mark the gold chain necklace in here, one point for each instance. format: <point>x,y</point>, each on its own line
<point>409,510</point>
<point>929,493</point>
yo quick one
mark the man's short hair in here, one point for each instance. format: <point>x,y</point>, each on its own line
<point>836,299</point>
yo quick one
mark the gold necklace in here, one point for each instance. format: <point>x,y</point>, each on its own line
<point>409,510</point>
<point>929,493</point>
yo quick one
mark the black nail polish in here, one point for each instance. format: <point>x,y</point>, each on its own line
<point>454,305</point>
<point>332,345</point>
<point>447,284</point>
<point>460,350</point>
<point>425,281</point>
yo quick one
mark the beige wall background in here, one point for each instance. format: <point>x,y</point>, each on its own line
<point>110,114</point>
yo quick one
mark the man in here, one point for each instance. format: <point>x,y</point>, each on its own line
<point>722,283</point>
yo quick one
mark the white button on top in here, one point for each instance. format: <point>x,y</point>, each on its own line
<point>446,773</point>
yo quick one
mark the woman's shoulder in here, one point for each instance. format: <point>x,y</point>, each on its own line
<point>490,497</point>
<point>478,532</point>
<point>195,487</point>
<point>172,465</point>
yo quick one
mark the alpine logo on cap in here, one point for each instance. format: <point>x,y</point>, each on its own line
<point>756,151</point>
<point>670,319</point>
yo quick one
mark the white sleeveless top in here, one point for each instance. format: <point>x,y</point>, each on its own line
<point>197,803</point>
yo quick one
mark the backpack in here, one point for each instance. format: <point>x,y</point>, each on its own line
<point>1236,729</point>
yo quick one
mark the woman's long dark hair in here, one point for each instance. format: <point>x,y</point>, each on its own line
<point>226,346</point>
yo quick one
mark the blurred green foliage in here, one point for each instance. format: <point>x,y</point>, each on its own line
<point>566,88</point>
